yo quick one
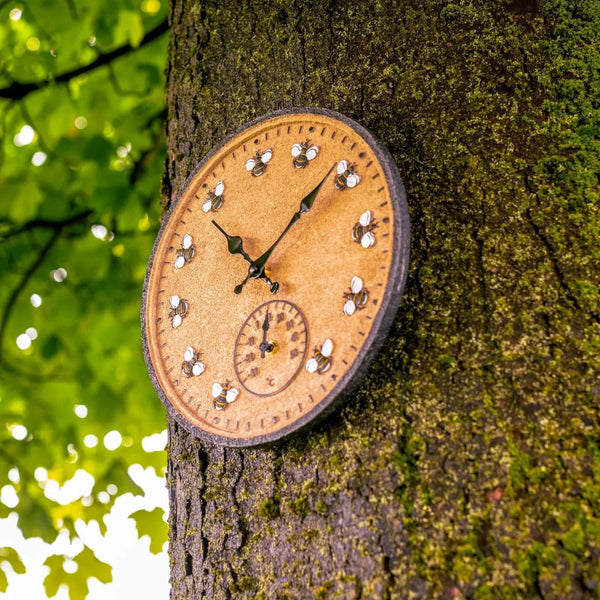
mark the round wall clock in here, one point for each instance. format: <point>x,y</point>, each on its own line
<point>275,276</point>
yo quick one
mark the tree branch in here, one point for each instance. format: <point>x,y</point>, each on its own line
<point>48,224</point>
<point>18,90</point>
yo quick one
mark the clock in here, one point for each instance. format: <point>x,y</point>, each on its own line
<point>275,277</point>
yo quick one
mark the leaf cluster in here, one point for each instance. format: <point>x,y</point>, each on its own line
<point>81,153</point>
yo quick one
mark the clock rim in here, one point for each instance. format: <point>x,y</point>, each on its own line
<point>382,322</point>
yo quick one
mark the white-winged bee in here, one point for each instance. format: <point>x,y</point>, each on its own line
<point>215,199</point>
<point>191,364</point>
<point>321,360</point>
<point>258,163</point>
<point>302,153</point>
<point>186,253</point>
<point>346,177</point>
<point>356,298</point>
<point>362,232</point>
<point>178,310</point>
<point>223,395</point>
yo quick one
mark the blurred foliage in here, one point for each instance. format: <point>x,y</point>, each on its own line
<point>81,156</point>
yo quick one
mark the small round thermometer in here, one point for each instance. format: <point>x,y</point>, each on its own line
<point>275,277</point>
<point>270,348</point>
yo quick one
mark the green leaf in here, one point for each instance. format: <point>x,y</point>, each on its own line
<point>87,566</point>
<point>11,556</point>
<point>34,521</point>
<point>25,203</point>
<point>152,523</point>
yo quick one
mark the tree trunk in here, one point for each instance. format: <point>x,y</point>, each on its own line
<point>467,464</point>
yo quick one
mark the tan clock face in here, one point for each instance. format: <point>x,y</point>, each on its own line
<point>275,277</point>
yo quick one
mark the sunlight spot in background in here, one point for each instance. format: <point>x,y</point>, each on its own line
<point>73,455</point>
<point>13,475</point>
<point>90,440</point>
<point>33,44</point>
<point>112,440</point>
<point>123,151</point>
<point>103,497</point>
<point>40,474</point>
<point>102,233</point>
<point>38,159</point>
<point>36,300</point>
<point>8,496</point>
<point>31,333</point>
<point>19,432</point>
<point>23,341</point>
<point>112,489</point>
<point>81,410</point>
<point>81,122</point>
<point>99,231</point>
<point>15,14</point>
<point>144,223</point>
<point>151,6</point>
<point>118,250</point>
<point>155,442</point>
<point>92,41</point>
<point>25,136</point>
<point>59,274</point>
<point>70,566</point>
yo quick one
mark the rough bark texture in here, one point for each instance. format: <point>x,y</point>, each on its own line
<point>468,463</point>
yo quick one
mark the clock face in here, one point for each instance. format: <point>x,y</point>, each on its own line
<point>275,277</point>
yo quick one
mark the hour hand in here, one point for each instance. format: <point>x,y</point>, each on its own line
<point>235,245</point>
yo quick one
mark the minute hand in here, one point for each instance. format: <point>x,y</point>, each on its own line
<point>256,270</point>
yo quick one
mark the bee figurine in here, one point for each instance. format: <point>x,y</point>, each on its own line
<point>346,177</point>
<point>186,252</point>
<point>214,200</point>
<point>356,298</point>
<point>258,164</point>
<point>321,360</point>
<point>223,395</point>
<point>362,232</point>
<point>178,310</point>
<point>191,364</point>
<point>302,153</point>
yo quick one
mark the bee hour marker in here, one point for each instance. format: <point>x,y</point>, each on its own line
<point>356,298</point>
<point>346,177</point>
<point>258,164</point>
<point>215,199</point>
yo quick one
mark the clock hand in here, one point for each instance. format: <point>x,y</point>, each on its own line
<point>256,270</point>
<point>235,244</point>
<point>264,345</point>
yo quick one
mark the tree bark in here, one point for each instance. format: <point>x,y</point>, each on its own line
<point>467,464</point>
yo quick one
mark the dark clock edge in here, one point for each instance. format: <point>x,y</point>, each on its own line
<point>383,321</point>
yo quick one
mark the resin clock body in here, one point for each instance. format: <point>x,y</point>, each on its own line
<point>275,277</point>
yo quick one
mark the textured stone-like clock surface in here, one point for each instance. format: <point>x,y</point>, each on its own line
<point>254,365</point>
